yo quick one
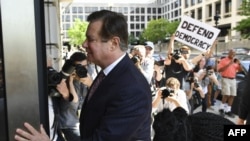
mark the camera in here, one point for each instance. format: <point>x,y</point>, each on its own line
<point>196,83</point>
<point>166,92</point>
<point>54,77</point>
<point>135,59</point>
<point>160,63</point>
<point>81,71</point>
<point>209,72</point>
<point>177,54</point>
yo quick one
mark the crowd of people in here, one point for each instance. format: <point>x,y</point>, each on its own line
<point>118,95</point>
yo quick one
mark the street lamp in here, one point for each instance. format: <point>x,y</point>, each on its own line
<point>216,19</point>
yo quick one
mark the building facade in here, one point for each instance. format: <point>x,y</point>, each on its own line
<point>138,15</point>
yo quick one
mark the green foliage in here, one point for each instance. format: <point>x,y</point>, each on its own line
<point>245,7</point>
<point>77,32</point>
<point>132,40</point>
<point>244,25</point>
<point>157,30</point>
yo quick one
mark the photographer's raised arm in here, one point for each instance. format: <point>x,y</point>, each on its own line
<point>206,54</point>
<point>185,64</point>
<point>72,89</point>
<point>170,50</point>
<point>63,89</point>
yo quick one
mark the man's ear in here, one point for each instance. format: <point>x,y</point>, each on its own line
<point>115,42</point>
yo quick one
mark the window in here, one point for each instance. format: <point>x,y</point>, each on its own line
<point>192,2</point>
<point>193,14</point>
<point>137,10</point>
<point>176,13</point>
<point>120,9</point>
<point>217,8</point>
<point>159,10</point>
<point>137,26</point>
<point>132,26</point>
<point>142,10</point>
<point>149,10</point>
<point>154,10</point>
<point>80,10</point>
<point>67,18</point>
<point>228,6</point>
<point>142,26</point>
<point>209,10</point>
<point>142,18</point>
<point>199,13</point>
<point>186,3</point>
<point>137,18</point>
<point>125,9</point>
<point>133,34</point>
<point>137,33</point>
<point>149,18</point>
<point>74,17</point>
<point>132,18</point>
<point>80,17</point>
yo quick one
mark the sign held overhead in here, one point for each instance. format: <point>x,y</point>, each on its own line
<point>196,34</point>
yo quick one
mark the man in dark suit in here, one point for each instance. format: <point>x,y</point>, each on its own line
<point>119,108</point>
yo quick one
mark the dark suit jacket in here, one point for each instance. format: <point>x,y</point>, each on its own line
<point>120,108</point>
<point>244,108</point>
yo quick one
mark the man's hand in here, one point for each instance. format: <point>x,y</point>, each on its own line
<point>32,134</point>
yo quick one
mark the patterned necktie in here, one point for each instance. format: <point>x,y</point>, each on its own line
<point>98,80</point>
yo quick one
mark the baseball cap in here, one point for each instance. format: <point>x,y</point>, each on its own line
<point>149,44</point>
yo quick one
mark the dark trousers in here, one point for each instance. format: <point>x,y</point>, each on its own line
<point>204,102</point>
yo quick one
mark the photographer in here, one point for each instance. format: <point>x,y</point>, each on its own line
<point>72,91</point>
<point>177,63</point>
<point>204,75</point>
<point>142,62</point>
<point>170,97</point>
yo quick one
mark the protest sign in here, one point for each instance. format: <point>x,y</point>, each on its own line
<point>196,34</point>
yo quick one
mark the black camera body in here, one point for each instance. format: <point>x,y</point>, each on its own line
<point>81,71</point>
<point>135,59</point>
<point>209,72</point>
<point>55,78</point>
<point>166,92</point>
<point>177,54</point>
<point>196,83</point>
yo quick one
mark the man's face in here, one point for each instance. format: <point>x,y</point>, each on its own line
<point>231,54</point>
<point>96,47</point>
<point>148,49</point>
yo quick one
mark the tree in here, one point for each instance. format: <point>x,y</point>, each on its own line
<point>244,25</point>
<point>77,32</point>
<point>158,30</point>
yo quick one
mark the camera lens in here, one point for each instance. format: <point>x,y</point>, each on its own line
<point>81,71</point>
